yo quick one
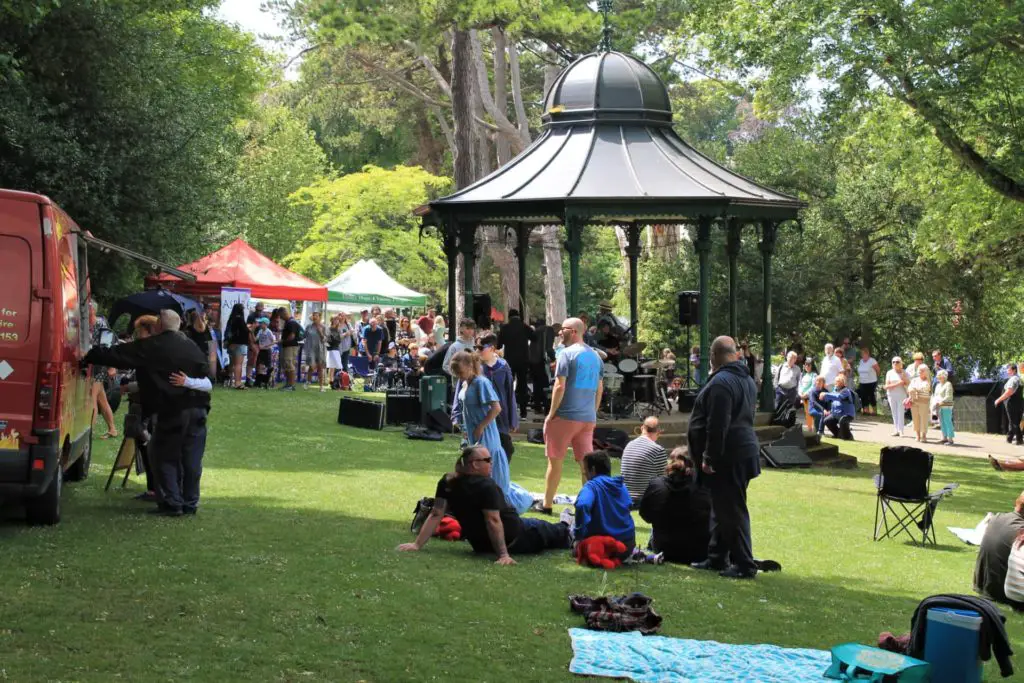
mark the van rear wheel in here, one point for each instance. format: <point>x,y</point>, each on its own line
<point>80,469</point>
<point>44,509</point>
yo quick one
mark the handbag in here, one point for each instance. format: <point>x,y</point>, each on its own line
<point>855,662</point>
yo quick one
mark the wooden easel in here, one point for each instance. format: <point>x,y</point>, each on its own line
<point>125,460</point>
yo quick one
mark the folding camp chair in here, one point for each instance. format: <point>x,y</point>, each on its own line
<point>904,504</point>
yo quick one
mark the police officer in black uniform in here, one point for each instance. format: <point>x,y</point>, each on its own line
<point>1012,399</point>
<point>724,445</point>
<point>167,365</point>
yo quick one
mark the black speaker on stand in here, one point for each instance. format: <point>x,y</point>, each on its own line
<point>482,311</point>
<point>689,315</point>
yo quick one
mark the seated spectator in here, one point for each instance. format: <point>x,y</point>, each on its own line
<point>816,404</point>
<point>679,512</point>
<point>1013,587</point>
<point>602,507</point>
<point>643,460</point>
<point>994,553</point>
<point>472,497</point>
<point>391,365</point>
<point>842,410</point>
<point>413,364</point>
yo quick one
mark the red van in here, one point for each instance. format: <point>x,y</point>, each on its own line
<point>45,406</point>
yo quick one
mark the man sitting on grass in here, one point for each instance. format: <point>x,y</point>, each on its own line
<point>643,460</point>
<point>472,497</point>
<point>994,552</point>
<point>602,508</point>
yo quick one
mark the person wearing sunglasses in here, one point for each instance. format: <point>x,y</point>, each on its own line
<point>472,497</point>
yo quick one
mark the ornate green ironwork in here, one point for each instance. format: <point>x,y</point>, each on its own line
<point>605,6</point>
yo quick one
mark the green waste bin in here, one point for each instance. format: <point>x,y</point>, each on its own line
<point>433,394</point>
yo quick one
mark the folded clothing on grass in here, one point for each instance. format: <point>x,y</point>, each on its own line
<point>657,659</point>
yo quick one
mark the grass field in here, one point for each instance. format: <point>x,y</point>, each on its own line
<point>289,571</point>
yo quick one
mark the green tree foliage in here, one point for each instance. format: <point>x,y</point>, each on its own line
<point>279,156</point>
<point>955,63</point>
<point>369,215</point>
<point>123,113</point>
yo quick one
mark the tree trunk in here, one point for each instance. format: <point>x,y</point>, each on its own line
<point>462,108</point>
<point>554,282</point>
<point>502,147</point>
<point>460,293</point>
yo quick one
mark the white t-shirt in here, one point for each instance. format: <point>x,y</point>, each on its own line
<point>900,392</point>
<point>831,366</point>
<point>1014,584</point>
<point>866,371</point>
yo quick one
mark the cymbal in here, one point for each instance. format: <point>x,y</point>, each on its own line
<point>634,349</point>
<point>656,364</point>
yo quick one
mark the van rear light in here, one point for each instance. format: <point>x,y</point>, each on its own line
<point>48,396</point>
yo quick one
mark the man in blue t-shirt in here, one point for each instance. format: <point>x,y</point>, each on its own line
<point>574,401</point>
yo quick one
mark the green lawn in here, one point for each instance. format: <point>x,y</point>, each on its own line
<point>289,572</point>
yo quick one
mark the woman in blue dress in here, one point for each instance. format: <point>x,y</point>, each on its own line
<point>476,407</point>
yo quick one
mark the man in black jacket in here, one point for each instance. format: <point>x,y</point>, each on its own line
<point>514,338</point>
<point>542,354</point>
<point>166,364</point>
<point>724,446</point>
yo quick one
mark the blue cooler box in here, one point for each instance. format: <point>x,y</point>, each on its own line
<point>951,645</point>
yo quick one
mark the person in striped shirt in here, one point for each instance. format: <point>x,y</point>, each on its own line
<point>643,460</point>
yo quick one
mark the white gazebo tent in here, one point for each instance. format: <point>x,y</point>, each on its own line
<point>365,284</point>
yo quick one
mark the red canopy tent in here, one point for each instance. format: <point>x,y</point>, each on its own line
<point>239,265</point>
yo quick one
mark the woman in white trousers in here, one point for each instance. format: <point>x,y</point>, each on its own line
<point>896,382</point>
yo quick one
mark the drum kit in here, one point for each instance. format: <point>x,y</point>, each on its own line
<point>635,386</point>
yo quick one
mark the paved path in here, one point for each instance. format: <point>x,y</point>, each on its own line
<point>967,444</point>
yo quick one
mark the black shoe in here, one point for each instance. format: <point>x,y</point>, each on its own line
<point>188,511</point>
<point>708,564</point>
<point>734,572</point>
<point>166,512</point>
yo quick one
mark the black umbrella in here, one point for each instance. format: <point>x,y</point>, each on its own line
<point>151,301</point>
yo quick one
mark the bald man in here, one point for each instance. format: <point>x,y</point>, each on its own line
<point>643,459</point>
<point>574,401</point>
<point>724,446</point>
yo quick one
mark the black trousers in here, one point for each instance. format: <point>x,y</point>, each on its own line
<point>539,377</point>
<point>538,536</point>
<point>839,426</point>
<point>730,520</point>
<point>1014,411</point>
<point>521,373</point>
<point>178,445</point>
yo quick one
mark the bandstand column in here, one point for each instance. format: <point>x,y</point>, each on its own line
<point>768,229</point>
<point>703,248</point>
<point>450,245</point>
<point>732,249</point>
<point>574,245</point>
<point>633,252</point>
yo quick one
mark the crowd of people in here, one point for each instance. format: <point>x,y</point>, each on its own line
<point>695,500</point>
<point>847,381</point>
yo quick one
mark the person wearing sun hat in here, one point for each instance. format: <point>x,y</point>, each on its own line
<point>896,382</point>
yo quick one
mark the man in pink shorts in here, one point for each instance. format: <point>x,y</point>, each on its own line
<point>574,401</point>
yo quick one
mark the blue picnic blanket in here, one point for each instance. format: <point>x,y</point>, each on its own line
<point>656,659</point>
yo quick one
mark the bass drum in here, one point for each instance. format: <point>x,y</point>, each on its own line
<point>644,389</point>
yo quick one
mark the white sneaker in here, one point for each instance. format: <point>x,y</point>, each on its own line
<point>567,517</point>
